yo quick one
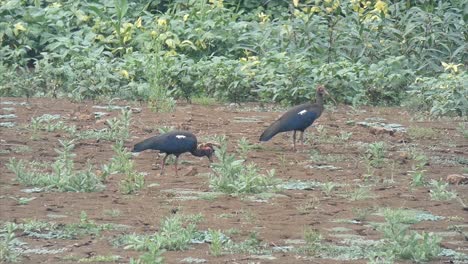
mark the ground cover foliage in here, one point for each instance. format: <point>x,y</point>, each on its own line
<point>366,52</point>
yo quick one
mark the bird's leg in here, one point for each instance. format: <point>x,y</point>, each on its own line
<point>302,139</point>
<point>175,164</point>
<point>294,140</point>
<point>163,162</point>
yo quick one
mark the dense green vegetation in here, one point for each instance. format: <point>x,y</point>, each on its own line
<point>366,52</point>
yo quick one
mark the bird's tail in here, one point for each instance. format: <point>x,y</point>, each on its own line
<point>270,132</point>
<point>144,145</point>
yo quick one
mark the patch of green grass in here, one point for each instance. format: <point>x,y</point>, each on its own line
<point>51,230</point>
<point>421,132</point>
<point>408,216</point>
<point>232,175</point>
<point>317,157</point>
<point>112,212</point>
<point>439,191</point>
<point>100,258</point>
<point>361,193</point>
<point>63,177</point>
<point>205,101</point>
<point>252,245</point>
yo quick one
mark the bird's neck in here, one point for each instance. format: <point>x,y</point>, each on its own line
<point>319,99</point>
<point>199,152</point>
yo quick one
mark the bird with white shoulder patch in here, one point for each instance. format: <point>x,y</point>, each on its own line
<point>299,118</point>
<point>175,143</point>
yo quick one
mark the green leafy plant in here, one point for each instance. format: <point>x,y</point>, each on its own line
<point>405,244</point>
<point>216,246</point>
<point>313,240</point>
<point>8,242</point>
<point>375,153</point>
<point>231,175</point>
<point>328,188</point>
<point>175,233</point>
<point>439,191</point>
<point>418,178</point>
<point>243,147</point>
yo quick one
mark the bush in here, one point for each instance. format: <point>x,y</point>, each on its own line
<point>441,95</point>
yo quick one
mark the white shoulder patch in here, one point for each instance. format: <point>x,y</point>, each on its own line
<point>302,112</point>
<point>180,136</point>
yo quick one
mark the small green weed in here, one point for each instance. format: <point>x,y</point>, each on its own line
<point>375,153</point>
<point>439,191</point>
<point>345,136</point>
<point>243,147</point>
<point>252,245</point>
<point>8,243</point>
<point>313,240</point>
<point>99,258</point>
<point>49,123</point>
<point>121,162</point>
<point>23,200</point>
<point>50,230</point>
<point>361,193</point>
<point>216,246</point>
<point>328,188</point>
<point>153,254</point>
<point>418,178</point>
<point>361,214</point>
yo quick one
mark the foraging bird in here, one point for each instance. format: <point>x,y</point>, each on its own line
<point>297,119</point>
<point>176,143</point>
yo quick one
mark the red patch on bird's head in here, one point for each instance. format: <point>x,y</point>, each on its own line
<point>208,146</point>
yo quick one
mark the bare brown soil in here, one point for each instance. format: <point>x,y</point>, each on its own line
<point>277,220</point>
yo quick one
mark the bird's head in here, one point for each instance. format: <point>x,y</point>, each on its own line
<point>321,91</point>
<point>207,149</point>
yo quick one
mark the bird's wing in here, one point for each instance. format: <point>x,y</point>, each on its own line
<point>293,119</point>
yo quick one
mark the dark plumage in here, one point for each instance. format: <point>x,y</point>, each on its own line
<point>297,118</point>
<point>175,143</point>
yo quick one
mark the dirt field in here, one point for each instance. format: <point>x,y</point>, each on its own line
<point>277,220</point>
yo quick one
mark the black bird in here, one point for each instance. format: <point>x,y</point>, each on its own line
<point>176,143</point>
<point>297,119</point>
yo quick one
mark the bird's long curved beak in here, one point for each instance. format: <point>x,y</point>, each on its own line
<point>326,92</point>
